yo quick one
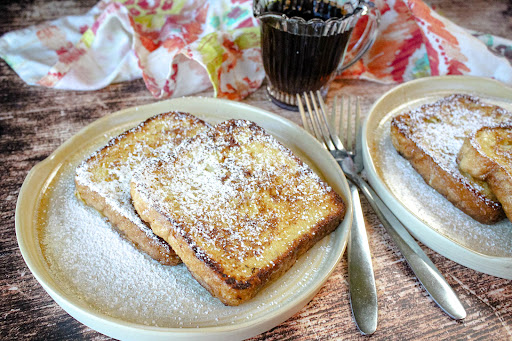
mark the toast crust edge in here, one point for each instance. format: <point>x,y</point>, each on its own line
<point>155,247</point>
<point>473,161</point>
<point>210,274</point>
<point>128,133</point>
<point>462,196</point>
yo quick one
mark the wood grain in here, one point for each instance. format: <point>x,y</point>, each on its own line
<point>34,121</point>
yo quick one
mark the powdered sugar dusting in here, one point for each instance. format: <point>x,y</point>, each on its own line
<point>108,171</point>
<point>427,204</point>
<point>92,263</point>
<point>240,190</point>
<point>441,127</point>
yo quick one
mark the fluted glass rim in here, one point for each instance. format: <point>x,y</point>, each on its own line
<point>257,12</point>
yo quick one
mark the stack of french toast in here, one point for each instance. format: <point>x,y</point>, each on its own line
<point>229,201</point>
<point>462,147</point>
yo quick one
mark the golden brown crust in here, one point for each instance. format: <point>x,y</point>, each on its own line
<point>487,156</point>
<point>156,248</point>
<point>430,138</point>
<point>102,180</point>
<point>208,261</point>
<point>501,185</point>
<point>157,137</point>
<point>464,197</point>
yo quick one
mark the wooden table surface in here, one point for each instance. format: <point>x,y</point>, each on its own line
<point>34,121</point>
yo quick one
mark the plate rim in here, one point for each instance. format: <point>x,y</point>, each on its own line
<point>498,266</point>
<point>79,311</point>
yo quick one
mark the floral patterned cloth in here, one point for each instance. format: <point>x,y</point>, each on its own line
<point>181,47</point>
<point>415,41</point>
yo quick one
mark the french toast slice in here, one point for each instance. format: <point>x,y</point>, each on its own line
<point>237,207</point>
<point>486,156</point>
<point>430,138</point>
<point>103,180</point>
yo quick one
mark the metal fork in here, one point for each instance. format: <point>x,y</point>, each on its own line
<point>363,292</point>
<point>352,165</point>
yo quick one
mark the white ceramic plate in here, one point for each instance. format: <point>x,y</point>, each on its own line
<point>429,216</point>
<point>103,282</point>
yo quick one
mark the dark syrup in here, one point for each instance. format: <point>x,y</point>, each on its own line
<point>306,9</point>
<point>296,63</point>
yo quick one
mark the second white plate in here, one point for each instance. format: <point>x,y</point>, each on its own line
<point>430,217</point>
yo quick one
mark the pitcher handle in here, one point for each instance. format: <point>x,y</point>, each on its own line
<point>368,36</point>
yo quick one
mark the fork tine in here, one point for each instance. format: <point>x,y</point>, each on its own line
<point>315,123</point>
<point>309,125</point>
<point>341,126</point>
<point>305,122</point>
<point>319,118</point>
<point>358,113</point>
<point>332,134</point>
<point>348,133</point>
<point>333,115</point>
<point>358,152</point>
<point>333,123</point>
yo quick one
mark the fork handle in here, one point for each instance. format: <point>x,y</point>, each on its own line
<point>426,272</point>
<point>363,292</point>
